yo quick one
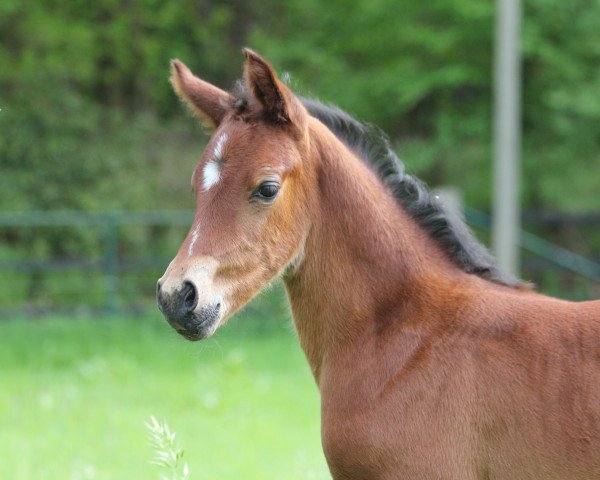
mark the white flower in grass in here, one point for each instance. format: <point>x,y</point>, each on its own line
<point>84,472</point>
<point>46,401</point>
<point>211,400</point>
<point>236,357</point>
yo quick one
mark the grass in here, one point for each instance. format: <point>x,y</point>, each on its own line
<point>168,453</point>
<point>76,395</point>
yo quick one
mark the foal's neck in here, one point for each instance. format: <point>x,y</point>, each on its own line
<point>366,262</point>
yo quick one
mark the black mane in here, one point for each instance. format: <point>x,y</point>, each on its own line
<point>446,228</point>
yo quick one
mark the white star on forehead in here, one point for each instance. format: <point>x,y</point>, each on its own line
<point>211,175</point>
<point>211,172</point>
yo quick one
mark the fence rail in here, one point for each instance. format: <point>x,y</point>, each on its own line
<point>550,252</point>
<point>109,267</point>
<point>75,218</point>
<point>108,263</point>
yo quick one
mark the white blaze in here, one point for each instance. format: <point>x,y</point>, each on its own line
<point>195,234</point>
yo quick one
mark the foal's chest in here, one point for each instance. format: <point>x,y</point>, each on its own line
<point>411,431</point>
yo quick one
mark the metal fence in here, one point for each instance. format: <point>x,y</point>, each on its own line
<point>106,265</point>
<point>119,269</point>
<point>553,254</point>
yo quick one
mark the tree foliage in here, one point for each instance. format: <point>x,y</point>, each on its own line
<point>88,118</point>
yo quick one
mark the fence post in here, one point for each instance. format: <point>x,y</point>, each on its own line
<point>110,264</point>
<point>507,135</point>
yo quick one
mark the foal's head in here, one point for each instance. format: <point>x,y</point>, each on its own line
<point>251,198</point>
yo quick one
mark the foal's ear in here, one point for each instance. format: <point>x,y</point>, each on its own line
<point>278,102</point>
<point>205,100</point>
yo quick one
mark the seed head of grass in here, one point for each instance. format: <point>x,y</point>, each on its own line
<point>169,454</point>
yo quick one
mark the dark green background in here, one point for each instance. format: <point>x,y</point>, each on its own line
<point>89,122</point>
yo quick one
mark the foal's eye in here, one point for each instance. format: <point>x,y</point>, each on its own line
<point>266,191</point>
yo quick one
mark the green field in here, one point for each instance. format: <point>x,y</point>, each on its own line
<point>75,394</point>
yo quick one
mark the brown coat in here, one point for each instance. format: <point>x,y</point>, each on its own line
<point>425,371</point>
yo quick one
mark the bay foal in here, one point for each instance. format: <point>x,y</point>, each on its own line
<point>431,363</point>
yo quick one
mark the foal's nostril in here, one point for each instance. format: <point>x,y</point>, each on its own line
<point>190,298</point>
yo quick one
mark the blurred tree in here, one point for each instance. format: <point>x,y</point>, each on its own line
<point>423,72</point>
<point>86,103</point>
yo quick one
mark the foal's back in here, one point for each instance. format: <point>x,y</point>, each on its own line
<point>539,388</point>
<point>506,387</point>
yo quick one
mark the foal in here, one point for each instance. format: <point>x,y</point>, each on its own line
<point>431,363</point>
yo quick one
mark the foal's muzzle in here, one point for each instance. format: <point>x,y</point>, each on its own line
<point>180,308</point>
